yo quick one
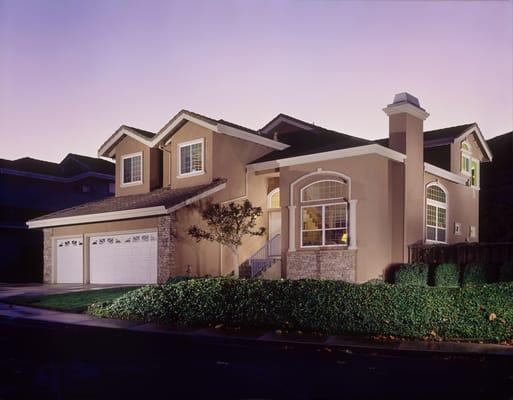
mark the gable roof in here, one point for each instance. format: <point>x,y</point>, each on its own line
<point>152,140</point>
<point>157,202</point>
<point>41,168</point>
<point>443,136</point>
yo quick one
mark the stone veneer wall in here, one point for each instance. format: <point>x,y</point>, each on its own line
<point>166,248</point>
<point>322,264</point>
<point>47,255</point>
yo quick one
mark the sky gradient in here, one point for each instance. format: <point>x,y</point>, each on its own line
<point>72,72</point>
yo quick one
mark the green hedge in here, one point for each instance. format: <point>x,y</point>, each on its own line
<point>447,275</point>
<point>412,274</point>
<point>473,312</point>
<point>475,274</point>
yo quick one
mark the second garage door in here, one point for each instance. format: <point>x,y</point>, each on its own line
<point>129,258</point>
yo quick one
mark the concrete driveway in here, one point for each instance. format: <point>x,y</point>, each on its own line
<point>38,289</point>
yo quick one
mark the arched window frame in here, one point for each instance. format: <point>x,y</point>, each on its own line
<point>438,206</point>
<point>270,197</point>
<point>324,205</point>
<point>466,158</point>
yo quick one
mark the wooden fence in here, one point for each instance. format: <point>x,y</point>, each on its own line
<point>488,254</point>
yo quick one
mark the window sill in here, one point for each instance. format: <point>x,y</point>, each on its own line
<point>131,184</point>
<point>189,175</point>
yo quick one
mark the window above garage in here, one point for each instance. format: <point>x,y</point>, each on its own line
<point>131,169</point>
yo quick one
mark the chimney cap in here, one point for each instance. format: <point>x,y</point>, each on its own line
<point>405,97</point>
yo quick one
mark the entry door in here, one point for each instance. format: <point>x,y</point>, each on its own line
<point>129,258</point>
<point>274,223</point>
<point>70,260</point>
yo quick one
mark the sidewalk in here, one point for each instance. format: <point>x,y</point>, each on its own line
<point>14,313</point>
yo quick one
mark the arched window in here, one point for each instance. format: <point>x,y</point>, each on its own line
<point>436,213</point>
<point>465,157</point>
<point>324,216</point>
<point>273,198</point>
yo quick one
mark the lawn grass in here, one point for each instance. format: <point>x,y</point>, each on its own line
<point>73,302</point>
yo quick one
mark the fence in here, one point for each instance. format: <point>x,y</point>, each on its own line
<point>488,254</point>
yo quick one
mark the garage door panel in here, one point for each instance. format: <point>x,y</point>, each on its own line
<point>123,258</point>
<point>69,260</point>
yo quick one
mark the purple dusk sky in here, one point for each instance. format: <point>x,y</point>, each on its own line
<point>71,72</point>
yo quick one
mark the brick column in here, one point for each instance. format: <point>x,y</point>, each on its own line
<point>47,256</point>
<point>166,264</point>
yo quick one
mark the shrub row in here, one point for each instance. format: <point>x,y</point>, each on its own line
<point>448,275</point>
<point>473,312</point>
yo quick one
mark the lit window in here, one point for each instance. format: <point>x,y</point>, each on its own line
<point>324,224</point>
<point>131,169</point>
<point>191,157</point>
<point>436,214</point>
<point>323,190</point>
<point>474,173</point>
<point>274,198</point>
<point>465,158</point>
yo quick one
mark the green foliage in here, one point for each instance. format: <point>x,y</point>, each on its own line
<point>474,274</point>
<point>506,272</point>
<point>228,224</point>
<point>474,312</point>
<point>447,275</point>
<point>175,279</point>
<point>412,274</point>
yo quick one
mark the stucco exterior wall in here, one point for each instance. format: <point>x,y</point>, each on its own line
<point>151,172</point>
<point>189,131</point>
<point>463,208</point>
<point>476,152</point>
<point>370,180</point>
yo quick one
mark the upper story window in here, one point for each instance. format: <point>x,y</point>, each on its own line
<point>323,223</point>
<point>131,169</point>
<point>465,157</point>
<point>190,158</point>
<point>274,198</point>
<point>474,173</point>
<point>436,213</point>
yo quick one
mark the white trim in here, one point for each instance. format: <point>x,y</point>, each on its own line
<point>406,108</point>
<point>51,178</point>
<point>122,178</point>
<point>179,119</point>
<point>269,197</point>
<point>330,155</point>
<point>107,216</point>
<point>284,118</point>
<point>240,134</point>
<point>179,158</point>
<point>323,229</point>
<point>443,173</point>
<point>437,205</point>
<point>481,138</point>
<point>302,200</point>
<point>292,228</point>
<point>352,225</point>
<point>320,171</point>
<point>196,198</point>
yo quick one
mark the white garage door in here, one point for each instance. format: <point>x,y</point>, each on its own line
<point>123,258</point>
<point>69,262</point>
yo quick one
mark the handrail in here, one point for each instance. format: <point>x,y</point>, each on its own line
<point>265,255</point>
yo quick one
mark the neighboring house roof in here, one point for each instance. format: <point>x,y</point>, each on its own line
<point>150,139</point>
<point>157,202</point>
<point>73,165</point>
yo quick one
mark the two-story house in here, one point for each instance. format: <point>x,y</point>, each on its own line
<point>30,188</point>
<point>335,206</point>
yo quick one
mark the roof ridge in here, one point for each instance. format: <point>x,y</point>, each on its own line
<point>451,127</point>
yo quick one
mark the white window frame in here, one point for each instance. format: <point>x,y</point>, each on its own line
<point>269,198</point>
<point>123,158</point>
<point>316,182</point>
<point>323,229</point>
<point>437,205</point>
<point>179,158</point>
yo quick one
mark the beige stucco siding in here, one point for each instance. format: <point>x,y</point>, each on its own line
<point>151,167</point>
<point>370,179</point>
<point>476,152</point>
<point>189,131</point>
<point>463,208</point>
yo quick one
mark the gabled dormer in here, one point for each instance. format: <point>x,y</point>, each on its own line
<point>189,150</point>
